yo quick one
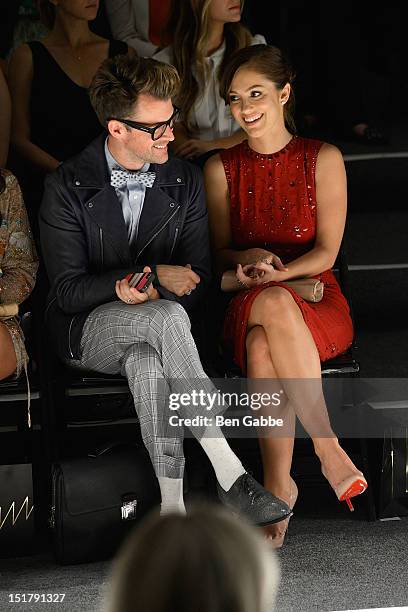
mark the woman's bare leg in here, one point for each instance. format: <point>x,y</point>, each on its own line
<point>296,363</point>
<point>276,450</point>
<point>8,362</point>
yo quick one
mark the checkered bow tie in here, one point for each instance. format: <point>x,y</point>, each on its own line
<point>121,177</point>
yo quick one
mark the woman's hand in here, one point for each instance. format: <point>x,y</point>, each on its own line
<point>253,256</point>
<point>129,295</point>
<point>248,276</point>
<point>254,275</point>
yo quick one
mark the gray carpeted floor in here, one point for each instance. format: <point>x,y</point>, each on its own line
<point>82,584</point>
<point>342,565</point>
<point>326,565</point>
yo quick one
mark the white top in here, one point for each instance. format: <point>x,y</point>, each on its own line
<point>211,117</point>
<point>129,21</point>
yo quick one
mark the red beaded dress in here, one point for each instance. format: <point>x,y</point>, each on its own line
<point>273,206</point>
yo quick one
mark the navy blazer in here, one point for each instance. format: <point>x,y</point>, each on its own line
<point>85,244</point>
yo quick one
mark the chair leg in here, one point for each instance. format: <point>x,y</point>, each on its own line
<point>371,510</point>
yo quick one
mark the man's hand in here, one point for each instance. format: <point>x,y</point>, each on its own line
<point>129,295</point>
<point>180,280</point>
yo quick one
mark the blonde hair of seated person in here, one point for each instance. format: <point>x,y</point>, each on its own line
<point>205,561</point>
<point>189,25</point>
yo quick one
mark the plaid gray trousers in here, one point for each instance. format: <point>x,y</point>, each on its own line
<point>152,346</point>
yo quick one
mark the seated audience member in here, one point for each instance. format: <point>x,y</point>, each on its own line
<point>5,118</point>
<point>52,116</point>
<point>118,207</point>
<point>280,198</point>
<point>206,561</point>
<point>18,267</point>
<point>205,33</point>
<point>140,23</point>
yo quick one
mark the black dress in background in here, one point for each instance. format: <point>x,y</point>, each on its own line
<point>62,120</point>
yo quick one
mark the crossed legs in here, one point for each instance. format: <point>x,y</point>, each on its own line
<point>280,346</point>
<point>151,344</point>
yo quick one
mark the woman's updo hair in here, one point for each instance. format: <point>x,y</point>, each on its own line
<point>272,64</point>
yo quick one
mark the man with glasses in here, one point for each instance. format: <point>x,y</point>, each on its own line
<point>121,206</point>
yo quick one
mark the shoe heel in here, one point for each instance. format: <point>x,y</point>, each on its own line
<point>350,505</point>
<point>353,489</point>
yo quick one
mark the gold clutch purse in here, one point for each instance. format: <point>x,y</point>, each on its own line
<point>309,289</point>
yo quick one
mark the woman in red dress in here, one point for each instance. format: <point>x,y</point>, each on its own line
<point>277,206</point>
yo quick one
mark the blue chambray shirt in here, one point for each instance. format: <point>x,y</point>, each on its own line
<point>131,196</point>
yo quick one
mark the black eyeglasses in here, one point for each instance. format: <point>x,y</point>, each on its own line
<point>156,131</point>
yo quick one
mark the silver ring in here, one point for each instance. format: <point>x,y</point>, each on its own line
<point>188,292</point>
<point>129,301</point>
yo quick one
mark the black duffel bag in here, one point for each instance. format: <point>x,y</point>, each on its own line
<point>97,500</point>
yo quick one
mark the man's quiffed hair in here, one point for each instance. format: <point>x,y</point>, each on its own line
<point>120,80</point>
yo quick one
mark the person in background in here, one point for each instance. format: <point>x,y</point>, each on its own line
<point>52,116</point>
<point>205,34</point>
<point>18,268</point>
<point>140,23</point>
<point>207,561</point>
<point>5,119</point>
<point>22,22</point>
<point>277,205</point>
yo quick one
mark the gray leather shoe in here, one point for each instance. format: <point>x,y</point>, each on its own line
<point>248,498</point>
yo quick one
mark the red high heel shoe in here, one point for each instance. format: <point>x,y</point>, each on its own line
<point>351,487</point>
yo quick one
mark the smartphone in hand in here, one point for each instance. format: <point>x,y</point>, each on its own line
<point>140,280</point>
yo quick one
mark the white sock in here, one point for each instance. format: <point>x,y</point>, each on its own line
<point>226,464</point>
<point>171,490</point>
